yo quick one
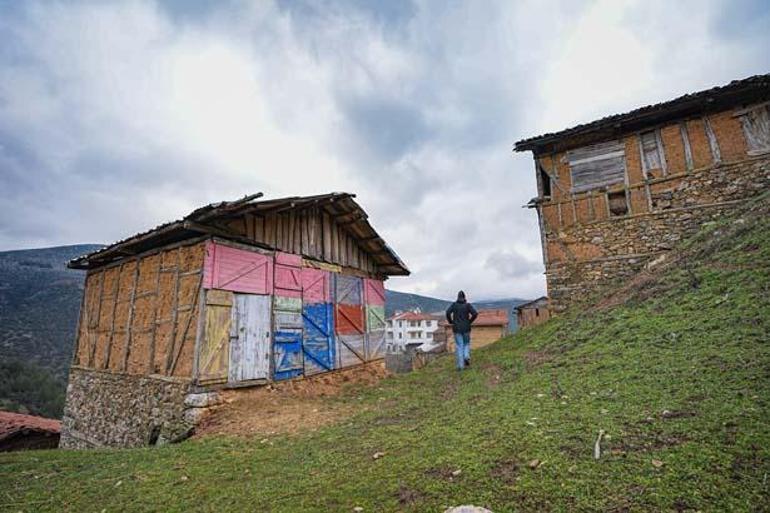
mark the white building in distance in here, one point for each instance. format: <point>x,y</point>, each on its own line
<point>412,326</point>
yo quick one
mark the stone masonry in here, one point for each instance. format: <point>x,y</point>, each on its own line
<point>626,244</point>
<point>106,409</point>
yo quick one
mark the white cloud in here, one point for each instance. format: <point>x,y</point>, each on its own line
<point>115,117</point>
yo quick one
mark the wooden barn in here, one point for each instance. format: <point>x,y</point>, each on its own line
<point>234,294</point>
<point>532,313</point>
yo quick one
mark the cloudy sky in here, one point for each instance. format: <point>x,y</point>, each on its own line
<point>115,117</point>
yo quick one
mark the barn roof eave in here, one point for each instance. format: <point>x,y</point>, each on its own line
<point>338,204</point>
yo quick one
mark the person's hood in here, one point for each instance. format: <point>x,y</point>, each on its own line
<point>461,297</point>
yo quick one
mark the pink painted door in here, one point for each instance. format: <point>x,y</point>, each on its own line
<point>316,286</point>
<point>374,292</point>
<point>237,270</point>
<point>288,275</point>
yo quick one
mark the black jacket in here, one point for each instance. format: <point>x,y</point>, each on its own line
<point>461,315</point>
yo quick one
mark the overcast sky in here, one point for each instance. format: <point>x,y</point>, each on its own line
<point>115,117</point>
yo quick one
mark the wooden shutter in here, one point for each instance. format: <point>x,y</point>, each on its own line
<point>597,165</point>
<point>650,150</point>
<point>756,128</point>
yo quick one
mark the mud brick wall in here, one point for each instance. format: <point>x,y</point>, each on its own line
<point>140,316</point>
<point>106,409</point>
<point>585,257</point>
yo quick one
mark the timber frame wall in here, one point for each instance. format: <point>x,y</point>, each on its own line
<point>139,316</point>
<point>312,232</point>
<point>706,166</point>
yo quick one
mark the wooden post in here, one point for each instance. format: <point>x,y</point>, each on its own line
<point>174,311</point>
<point>124,365</point>
<point>661,152</point>
<point>686,143</point>
<point>715,153</point>
<point>196,297</point>
<point>154,325</point>
<point>108,350</point>
<point>95,337</point>
<point>643,163</point>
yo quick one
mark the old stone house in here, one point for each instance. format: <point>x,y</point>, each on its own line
<point>532,313</point>
<point>619,192</point>
<point>234,294</point>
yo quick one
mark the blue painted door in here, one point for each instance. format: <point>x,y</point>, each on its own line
<point>287,338</point>
<point>318,343</point>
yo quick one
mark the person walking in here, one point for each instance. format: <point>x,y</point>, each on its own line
<point>461,315</point>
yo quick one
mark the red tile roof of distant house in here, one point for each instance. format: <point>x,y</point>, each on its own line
<point>414,316</point>
<point>13,423</point>
<point>490,317</point>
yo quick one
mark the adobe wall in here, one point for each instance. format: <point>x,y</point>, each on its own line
<point>584,257</point>
<point>140,316</point>
<point>480,336</point>
<point>107,409</point>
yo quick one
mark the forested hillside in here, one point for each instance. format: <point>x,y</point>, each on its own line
<point>39,302</point>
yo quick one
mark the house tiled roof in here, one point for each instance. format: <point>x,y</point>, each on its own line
<point>13,423</point>
<point>488,317</point>
<point>748,90</point>
<point>414,316</point>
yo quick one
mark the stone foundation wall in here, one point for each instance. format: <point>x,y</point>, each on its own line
<point>585,257</point>
<point>106,409</point>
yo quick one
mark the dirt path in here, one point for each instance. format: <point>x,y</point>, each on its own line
<point>290,407</point>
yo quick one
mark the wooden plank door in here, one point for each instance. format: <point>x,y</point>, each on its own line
<point>288,275</point>
<point>237,270</point>
<point>318,340</point>
<point>349,323</point>
<point>214,352</point>
<point>250,338</point>
<point>375,332</point>
<point>287,342</point>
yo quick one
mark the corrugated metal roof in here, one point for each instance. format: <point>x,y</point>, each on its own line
<point>13,423</point>
<point>748,90</point>
<point>336,203</point>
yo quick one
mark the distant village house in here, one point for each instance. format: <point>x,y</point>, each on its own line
<point>235,294</point>
<point>532,313</point>
<point>490,326</point>
<point>620,192</point>
<point>411,326</point>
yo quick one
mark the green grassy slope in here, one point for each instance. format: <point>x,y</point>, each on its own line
<point>677,373</point>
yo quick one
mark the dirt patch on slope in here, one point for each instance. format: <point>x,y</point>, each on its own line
<point>292,406</point>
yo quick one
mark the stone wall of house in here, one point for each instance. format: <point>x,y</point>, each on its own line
<point>106,409</point>
<point>584,257</point>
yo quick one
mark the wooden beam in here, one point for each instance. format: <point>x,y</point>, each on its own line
<point>154,330</point>
<point>108,350</point>
<point>715,153</point>
<point>186,329</point>
<point>98,320</point>
<point>174,312</point>
<point>124,364</point>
